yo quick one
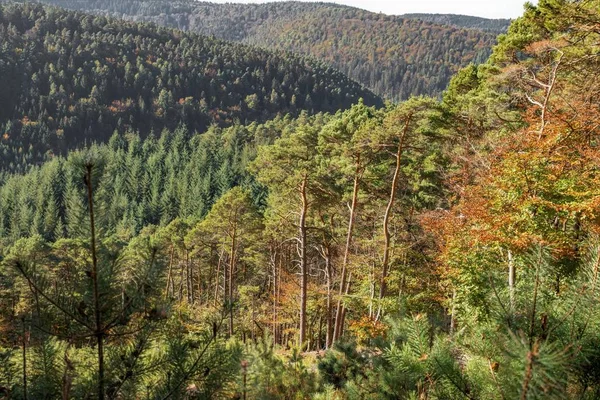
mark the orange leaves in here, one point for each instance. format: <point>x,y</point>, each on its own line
<point>367,328</point>
<point>545,46</point>
<point>541,191</point>
<point>544,183</point>
<point>118,106</point>
<point>150,59</point>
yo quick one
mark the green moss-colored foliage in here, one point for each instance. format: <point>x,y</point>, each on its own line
<point>272,375</point>
<point>342,364</point>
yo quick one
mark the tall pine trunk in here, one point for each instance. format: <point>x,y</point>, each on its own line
<point>512,276</point>
<point>329,323</point>
<point>273,255</point>
<point>217,278</point>
<point>231,276</point>
<point>24,354</point>
<point>303,259</point>
<point>170,285</point>
<point>99,330</point>
<point>339,310</point>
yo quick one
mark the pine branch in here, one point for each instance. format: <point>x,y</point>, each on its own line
<point>137,356</point>
<point>531,359</point>
<point>37,290</point>
<point>190,371</point>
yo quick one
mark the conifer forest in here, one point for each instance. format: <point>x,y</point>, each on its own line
<point>298,200</point>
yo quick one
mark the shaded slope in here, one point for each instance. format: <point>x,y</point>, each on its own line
<point>393,55</point>
<point>69,78</point>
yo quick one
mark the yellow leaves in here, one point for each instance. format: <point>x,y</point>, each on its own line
<point>187,100</point>
<point>367,328</point>
<point>159,112</point>
<point>27,122</point>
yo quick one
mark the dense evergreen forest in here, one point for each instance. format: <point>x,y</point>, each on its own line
<point>496,26</point>
<point>394,56</point>
<point>69,78</point>
<point>431,249</point>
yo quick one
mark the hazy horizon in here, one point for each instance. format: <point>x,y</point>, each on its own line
<point>477,8</point>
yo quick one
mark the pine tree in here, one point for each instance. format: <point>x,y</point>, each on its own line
<point>289,169</point>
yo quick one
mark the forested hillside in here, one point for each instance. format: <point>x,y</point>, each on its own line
<point>432,249</point>
<point>394,56</point>
<point>70,79</point>
<point>496,26</point>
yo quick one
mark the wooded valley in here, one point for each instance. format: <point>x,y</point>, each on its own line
<point>74,79</point>
<point>394,56</point>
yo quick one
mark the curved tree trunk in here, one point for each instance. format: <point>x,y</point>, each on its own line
<point>337,331</point>
<point>386,219</point>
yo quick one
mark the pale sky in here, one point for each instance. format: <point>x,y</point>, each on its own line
<point>480,8</point>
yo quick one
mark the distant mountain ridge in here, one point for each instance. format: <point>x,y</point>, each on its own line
<point>497,26</point>
<point>395,56</point>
